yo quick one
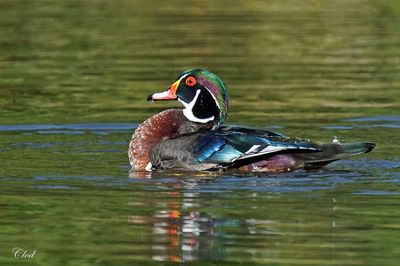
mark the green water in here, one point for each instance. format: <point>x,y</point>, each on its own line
<point>74,77</point>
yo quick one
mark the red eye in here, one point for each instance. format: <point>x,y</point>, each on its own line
<point>191,81</point>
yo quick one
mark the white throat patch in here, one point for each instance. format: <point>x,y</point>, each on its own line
<point>189,113</point>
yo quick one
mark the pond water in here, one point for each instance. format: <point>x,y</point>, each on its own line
<point>74,77</point>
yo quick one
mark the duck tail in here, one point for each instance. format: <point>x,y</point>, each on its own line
<point>355,148</point>
<point>333,152</point>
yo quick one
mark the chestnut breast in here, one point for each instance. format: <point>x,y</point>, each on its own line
<point>161,126</point>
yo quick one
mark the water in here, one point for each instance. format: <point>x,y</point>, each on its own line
<point>74,77</point>
<point>66,193</point>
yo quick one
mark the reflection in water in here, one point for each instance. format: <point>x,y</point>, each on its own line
<point>183,229</point>
<point>181,232</point>
<point>141,174</point>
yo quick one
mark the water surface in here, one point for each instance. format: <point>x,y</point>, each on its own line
<point>74,77</point>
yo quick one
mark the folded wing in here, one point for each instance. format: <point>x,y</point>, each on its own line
<point>225,147</point>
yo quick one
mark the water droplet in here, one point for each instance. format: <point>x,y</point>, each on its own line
<point>335,140</point>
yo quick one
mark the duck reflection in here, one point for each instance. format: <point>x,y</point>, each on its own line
<point>187,234</point>
<point>183,235</point>
<point>180,232</point>
<point>186,223</point>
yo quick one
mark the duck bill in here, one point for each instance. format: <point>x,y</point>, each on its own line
<point>167,95</point>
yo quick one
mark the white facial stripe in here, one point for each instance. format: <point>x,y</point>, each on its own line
<point>192,103</point>
<point>184,76</point>
<point>215,100</point>
<point>189,113</point>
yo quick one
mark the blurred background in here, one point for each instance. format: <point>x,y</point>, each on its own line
<point>74,78</point>
<point>96,61</point>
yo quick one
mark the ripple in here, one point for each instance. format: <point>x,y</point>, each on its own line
<point>366,122</point>
<point>376,192</point>
<point>69,128</point>
<point>383,118</point>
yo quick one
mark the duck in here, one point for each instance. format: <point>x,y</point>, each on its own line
<point>195,138</point>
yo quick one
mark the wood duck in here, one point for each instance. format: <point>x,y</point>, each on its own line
<point>194,138</point>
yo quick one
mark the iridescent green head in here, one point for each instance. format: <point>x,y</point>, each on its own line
<point>202,93</point>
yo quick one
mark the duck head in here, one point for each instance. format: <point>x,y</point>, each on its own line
<point>202,93</point>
